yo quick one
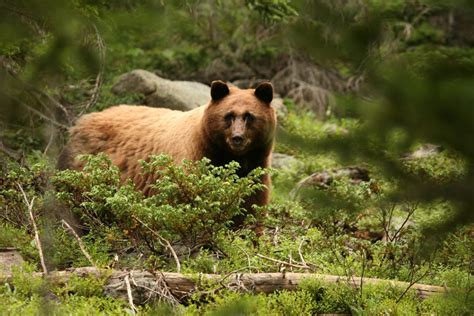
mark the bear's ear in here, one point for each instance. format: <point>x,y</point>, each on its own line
<point>219,89</point>
<point>264,92</point>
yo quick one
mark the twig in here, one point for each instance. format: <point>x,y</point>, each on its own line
<point>247,255</point>
<point>168,245</point>
<point>300,253</point>
<point>37,94</point>
<point>49,144</point>
<point>54,122</point>
<point>413,282</point>
<point>364,262</point>
<point>50,99</point>
<point>29,204</point>
<point>275,236</point>
<point>160,288</point>
<point>100,74</point>
<point>129,294</point>
<point>290,260</point>
<point>79,241</point>
<point>410,213</point>
<point>387,223</point>
<point>283,262</point>
<point>10,153</point>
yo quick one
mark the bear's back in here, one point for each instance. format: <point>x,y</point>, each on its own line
<point>128,134</point>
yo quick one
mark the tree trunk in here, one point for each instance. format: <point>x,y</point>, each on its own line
<point>175,287</point>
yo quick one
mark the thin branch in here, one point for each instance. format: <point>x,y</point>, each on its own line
<point>37,94</point>
<point>364,262</point>
<point>247,255</point>
<point>79,241</point>
<point>162,239</point>
<point>283,262</point>
<point>29,204</point>
<point>49,98</point>
<point>10,153</point>
<point>52,121</point>
<point>99,78</point>
<point>160,288</point>
<point>300,252</point>
<point>413,282</point>
<point>410,213</point>
<point>51,138</point>
<point>129,294</point>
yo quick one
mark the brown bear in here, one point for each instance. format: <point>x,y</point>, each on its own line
<point>237,124</point>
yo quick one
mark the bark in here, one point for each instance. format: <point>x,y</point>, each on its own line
<point>175,287</point>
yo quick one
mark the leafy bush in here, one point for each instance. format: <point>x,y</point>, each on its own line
<point>194,201</point>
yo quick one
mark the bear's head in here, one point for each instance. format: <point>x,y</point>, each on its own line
<point>240,120</point>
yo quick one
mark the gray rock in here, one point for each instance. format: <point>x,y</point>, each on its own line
<point>160,92</point>
<point>425,150</point>
<point>136,81</point>
<point>9,258</point>
<point>283,161</point>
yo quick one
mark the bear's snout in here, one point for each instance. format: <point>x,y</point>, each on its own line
<point>238,143</point>
<point>237,140</point>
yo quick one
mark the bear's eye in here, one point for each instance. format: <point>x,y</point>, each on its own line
<point>229,117</point>
<point>249,117</point>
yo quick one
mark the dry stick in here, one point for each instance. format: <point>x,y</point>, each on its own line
<point>129,294</point>
<point>283,262</point>
<point>300,253</point>
<point>248,257</point>
<point>290,260</point>
<point>49,144</point>
<point>29,204</point>
<point>364,262</point>
<point>342,262</point>
<point>37,94</point>
<point>100,74</point>
<point>52,121</point>
<point>168,245</point>
<point>410,285</point>
<point>164,289</point>
<point>410,213</point>
<point>10,153</point>
<point>79,241</point>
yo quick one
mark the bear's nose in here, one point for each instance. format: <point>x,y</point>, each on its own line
<point>237,140</point>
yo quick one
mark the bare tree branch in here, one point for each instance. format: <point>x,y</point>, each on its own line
<point>79,241</point>
<point>29,204</point>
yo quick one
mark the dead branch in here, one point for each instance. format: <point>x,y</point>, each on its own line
<point>47,118</point>
<point>312,85</point>
<point>284,262</point>
<point>10,153</point>
<point>161,240</point>
<point>300,253</point>
<point>79,241</point>
<point>129,295</point>
<point>99,78</point>
<point>29,204</point>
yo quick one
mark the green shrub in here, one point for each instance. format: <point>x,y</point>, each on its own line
<point>194,201</point>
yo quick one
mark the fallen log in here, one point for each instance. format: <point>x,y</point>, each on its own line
<point>174,287</point>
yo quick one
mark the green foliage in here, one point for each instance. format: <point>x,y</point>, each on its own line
<point>193,201</point>
<point>413,65</point>
<point>273,10</point>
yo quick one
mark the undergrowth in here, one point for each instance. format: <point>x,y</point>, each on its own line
<point>350,228</point>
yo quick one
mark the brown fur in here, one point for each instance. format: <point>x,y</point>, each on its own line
<point>128,134</point>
